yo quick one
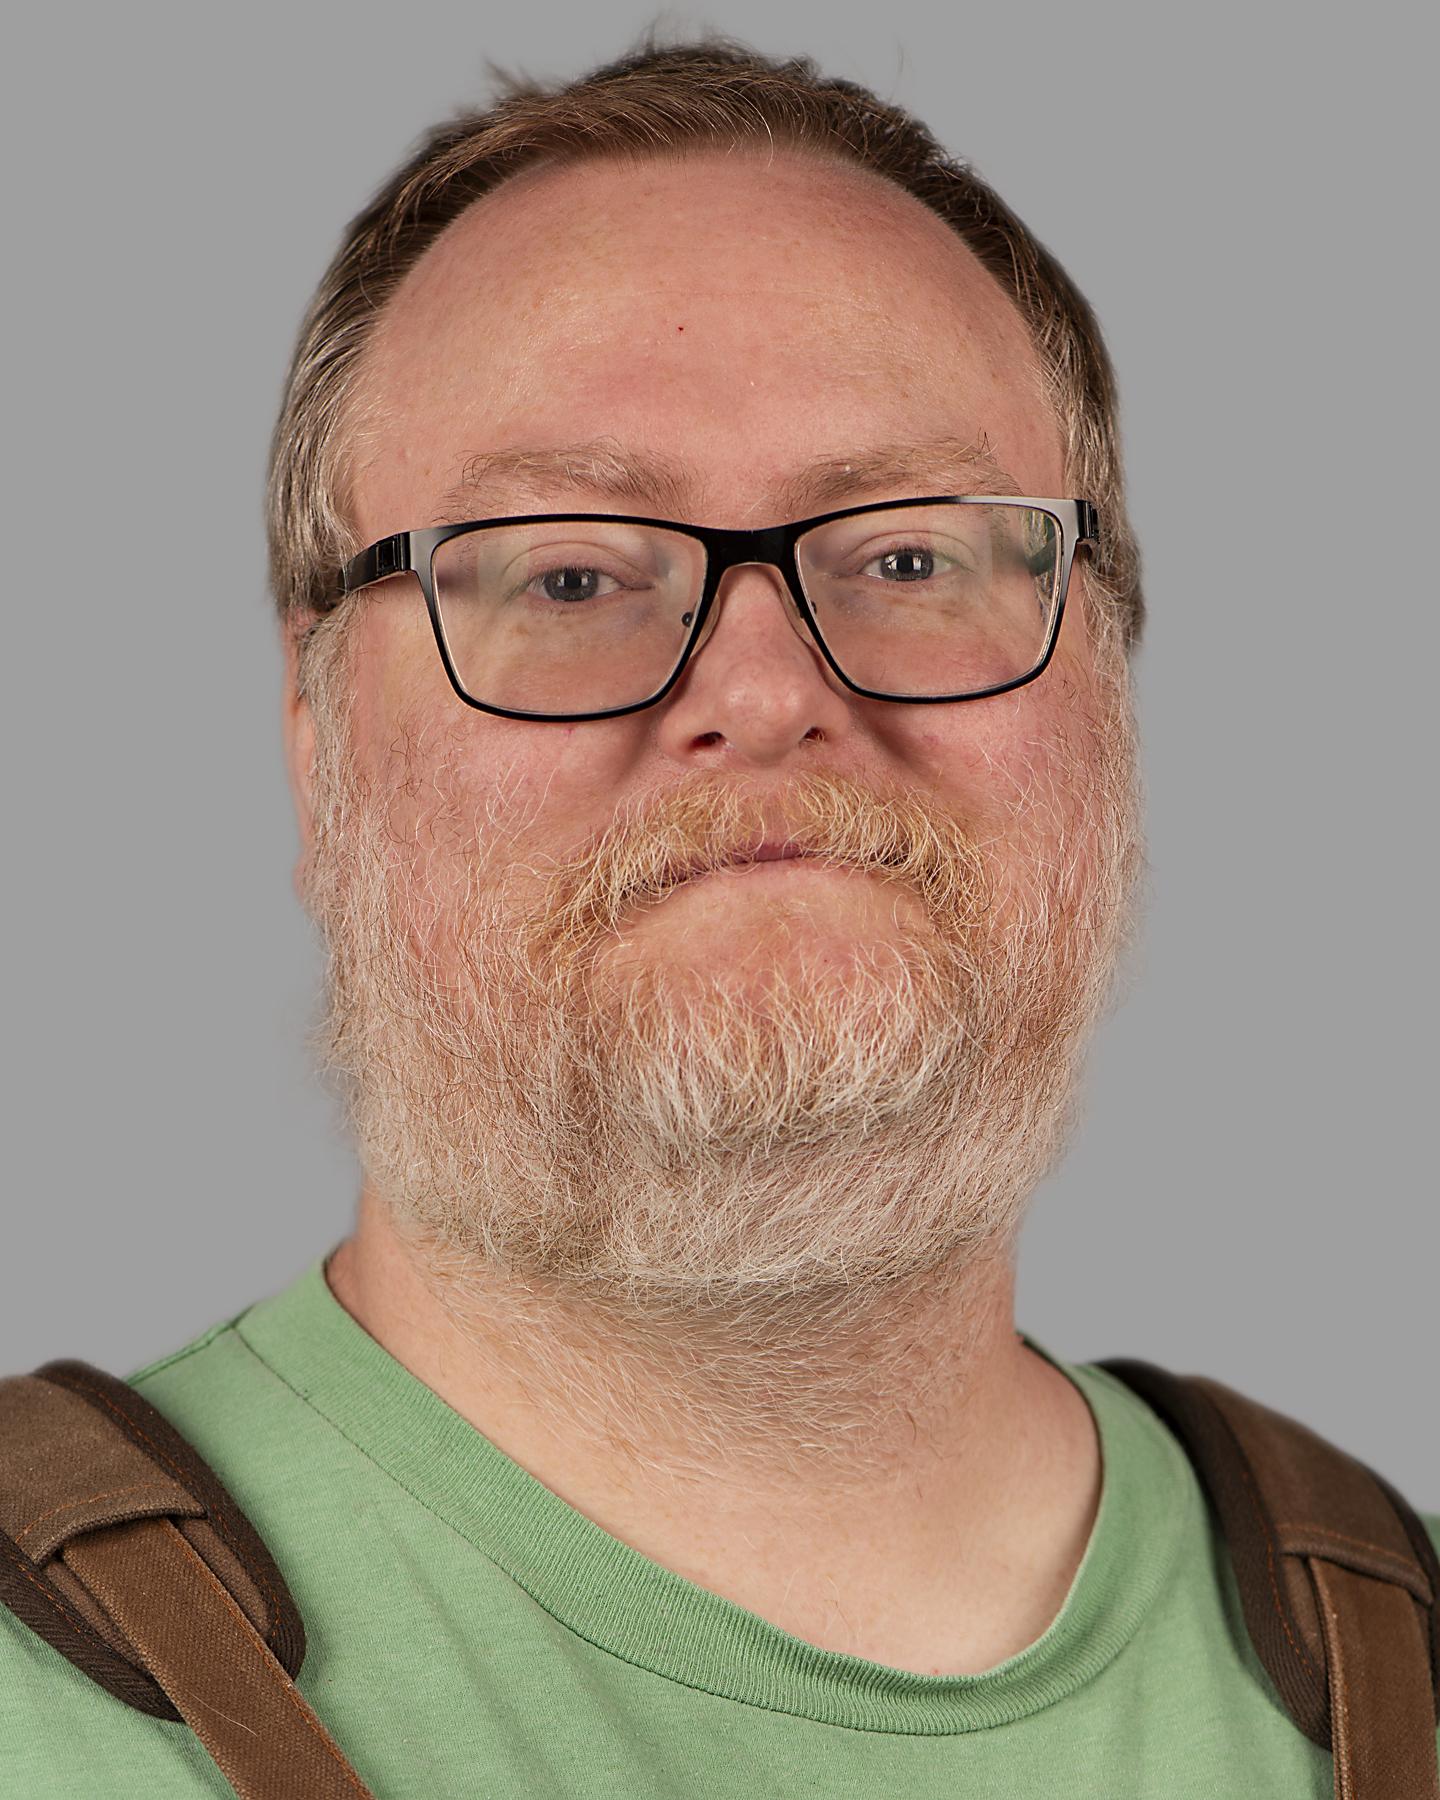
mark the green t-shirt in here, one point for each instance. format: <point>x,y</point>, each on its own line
<point>471,1634</point>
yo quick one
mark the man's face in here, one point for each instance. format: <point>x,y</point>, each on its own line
<point>742,318</point>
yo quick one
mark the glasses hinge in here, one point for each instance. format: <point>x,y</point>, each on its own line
<point>392,556</point>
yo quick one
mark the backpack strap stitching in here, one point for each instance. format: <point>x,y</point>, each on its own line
<point>78,1384</point>
<point>51,1595</point>
<point>1340,1740</point>
<point>1429,1561</point>
<point>137,1487</point>
<point>1342,1537</point>
<point>1275,1592</point>
<point>1304,1540</point>
<point>125,1680</point>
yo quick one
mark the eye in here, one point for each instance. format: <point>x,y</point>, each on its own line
<point>917,561</point>
<point>571,582</point>
<point>912,562</point>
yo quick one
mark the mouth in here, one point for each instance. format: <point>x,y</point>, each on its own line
<point>768,850</point>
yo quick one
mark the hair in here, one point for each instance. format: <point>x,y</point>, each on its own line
<point>655,101</point>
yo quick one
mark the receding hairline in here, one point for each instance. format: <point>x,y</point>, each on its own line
<point>713,96</point>
<point>761,144</point>
<point>648,478</point>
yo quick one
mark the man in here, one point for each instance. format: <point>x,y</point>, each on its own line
<point>716,924</point>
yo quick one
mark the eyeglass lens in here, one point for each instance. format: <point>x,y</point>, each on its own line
<point>584,615</point>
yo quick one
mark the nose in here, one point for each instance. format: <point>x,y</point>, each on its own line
<point>756,687</point>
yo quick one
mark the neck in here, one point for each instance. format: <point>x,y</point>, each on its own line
<point>897,1477</point>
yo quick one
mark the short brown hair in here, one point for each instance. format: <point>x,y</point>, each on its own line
<point>652,101</point>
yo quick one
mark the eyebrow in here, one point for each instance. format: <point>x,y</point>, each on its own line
<point>605,470</point>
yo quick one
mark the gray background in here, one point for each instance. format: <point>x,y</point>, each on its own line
<point>1252,1194</point>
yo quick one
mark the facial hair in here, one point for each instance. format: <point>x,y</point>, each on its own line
<point>788,1167</point>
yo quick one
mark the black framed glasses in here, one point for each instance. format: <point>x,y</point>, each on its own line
<point>576,616</point>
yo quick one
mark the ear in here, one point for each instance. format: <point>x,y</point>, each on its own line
<point>298,728</point>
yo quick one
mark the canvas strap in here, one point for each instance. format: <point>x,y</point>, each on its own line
<point>120,1546</point>
<point>1338,1580</point>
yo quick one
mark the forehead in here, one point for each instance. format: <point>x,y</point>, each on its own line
<point>738,315</point>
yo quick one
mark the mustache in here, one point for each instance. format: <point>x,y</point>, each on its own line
<point>657,842</point>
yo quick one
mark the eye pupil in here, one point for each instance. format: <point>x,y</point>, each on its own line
<point>570,584</point>
<point>910,565</point>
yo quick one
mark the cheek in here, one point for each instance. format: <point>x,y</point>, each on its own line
<point>457,778</point>
<point>1017,769</point>
<point>399,680</point>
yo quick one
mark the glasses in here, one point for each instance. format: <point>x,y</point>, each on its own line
<point>577,616</point>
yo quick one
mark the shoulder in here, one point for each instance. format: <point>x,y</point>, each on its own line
<point>60,1732</point>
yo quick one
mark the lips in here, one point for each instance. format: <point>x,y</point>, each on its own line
<point>767,850</point>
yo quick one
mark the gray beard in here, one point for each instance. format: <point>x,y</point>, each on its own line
<point>777,1196</point>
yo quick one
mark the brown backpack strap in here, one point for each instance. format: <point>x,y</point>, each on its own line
<point>120,1547</point>
<point>1338,1579</point>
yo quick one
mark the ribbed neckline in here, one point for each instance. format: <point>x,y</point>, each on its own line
<point>619,1600</point>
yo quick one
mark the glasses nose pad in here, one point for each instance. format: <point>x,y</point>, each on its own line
<point>792,611</point>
